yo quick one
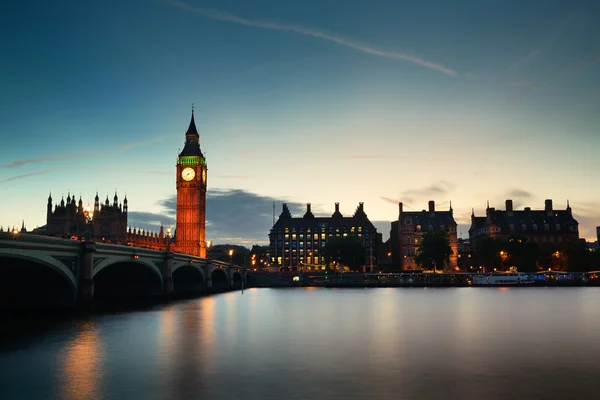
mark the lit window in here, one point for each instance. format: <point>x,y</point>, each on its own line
<point>360,228</point>
<point>316,236</point>
<point>294,236</point>
<point>352,229</point>
<point>287,236</point>
<point>322,236</point>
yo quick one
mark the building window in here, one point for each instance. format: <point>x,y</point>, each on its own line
<point>557,227</point>
<point>322,236</point>
<point>534,227</point>
<point>430,228</point>
<point>294,236</point>
<point>546,227</point>
<point>523,227</point>
<point>512,227</point>
<point>360,228</point>
<point>418,228</point>
<point>316,236</point>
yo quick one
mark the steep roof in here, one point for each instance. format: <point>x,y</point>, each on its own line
<point>192,141</point>
<point>426,219</point>
<point>337,220</point>
<point>527,220</point>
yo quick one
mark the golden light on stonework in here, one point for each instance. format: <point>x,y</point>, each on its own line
<point>88,212</point>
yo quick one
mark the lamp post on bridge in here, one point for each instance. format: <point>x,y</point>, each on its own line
<point>168,273</point>
<point>169,239</point>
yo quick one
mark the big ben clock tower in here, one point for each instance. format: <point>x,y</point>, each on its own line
<point>190,233</point>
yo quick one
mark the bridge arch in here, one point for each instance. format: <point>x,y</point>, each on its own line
<point>188,279</point>
<point>37,280</point>
<point>124,277</point>
<point>220,279</point>
<point>237,278</point>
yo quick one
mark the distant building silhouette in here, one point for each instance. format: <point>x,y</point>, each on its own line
<point>547,226</point>
<point>407,234</point>
<point>68,219</point>
<point>105,222</point>
<point>299,242</point>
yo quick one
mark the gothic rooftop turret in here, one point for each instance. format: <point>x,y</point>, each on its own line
<point>192,131</point>
<point>192,141</point>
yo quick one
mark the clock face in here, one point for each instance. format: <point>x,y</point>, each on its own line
<point>188,174</point>
<point>204,176</point>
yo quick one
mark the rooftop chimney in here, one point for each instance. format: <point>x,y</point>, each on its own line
<point>509,205</point>
<point>337,207</point>
<point>308,213</point>
<point>399,209</point>
<point>431,206</point>
<point>548,205</point>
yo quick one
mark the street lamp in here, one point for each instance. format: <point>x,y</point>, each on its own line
<point>88,212</point>
<point>231,256</point>
<point>169,239</point>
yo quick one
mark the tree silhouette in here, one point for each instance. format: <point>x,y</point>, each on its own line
<point>522,253</point>
<point>487,253</point>
<point>347,251</point>
<point>434,251</point>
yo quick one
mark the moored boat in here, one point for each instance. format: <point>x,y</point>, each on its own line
<point>508,279</point>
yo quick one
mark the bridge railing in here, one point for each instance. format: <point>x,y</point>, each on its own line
<point>38,239</point>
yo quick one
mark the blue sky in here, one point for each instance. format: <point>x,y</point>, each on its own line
<point>304,101</point>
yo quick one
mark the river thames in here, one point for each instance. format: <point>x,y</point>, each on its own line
<point>316,343</point>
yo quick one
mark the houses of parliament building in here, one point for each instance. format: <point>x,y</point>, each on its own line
<point>107,222</point>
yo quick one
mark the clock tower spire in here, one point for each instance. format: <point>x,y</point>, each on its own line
<point>190,231</point>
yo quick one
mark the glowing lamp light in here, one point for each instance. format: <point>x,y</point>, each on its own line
<point>169,231</point>
<point>230,252</point>
<point>88,212</point>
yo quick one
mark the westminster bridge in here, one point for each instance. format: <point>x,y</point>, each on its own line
<point>40,270</point>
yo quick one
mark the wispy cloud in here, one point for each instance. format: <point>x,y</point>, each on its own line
<point>387,199</point>
<point>76,155</point>
<point>369,157</point>
<point>546,45</point>
<point>438,188</point>
<point>141,143</point>
<point>23,176</point>
<point>313,32</point>
<point>234,176</point>
<point>41,159</point>
<point>522,89</point>
<point>520,194</point>
<point>582,66</point>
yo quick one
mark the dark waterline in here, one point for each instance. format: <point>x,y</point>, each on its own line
<point>308,343</point>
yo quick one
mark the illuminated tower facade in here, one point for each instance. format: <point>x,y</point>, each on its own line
<point>190,233</point>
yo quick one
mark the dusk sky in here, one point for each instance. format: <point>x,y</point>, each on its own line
<point>325,101</point>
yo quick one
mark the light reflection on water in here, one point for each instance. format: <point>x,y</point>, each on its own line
<point>467,343</point>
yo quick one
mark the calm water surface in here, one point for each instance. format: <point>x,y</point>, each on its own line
<point>464,343</point>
